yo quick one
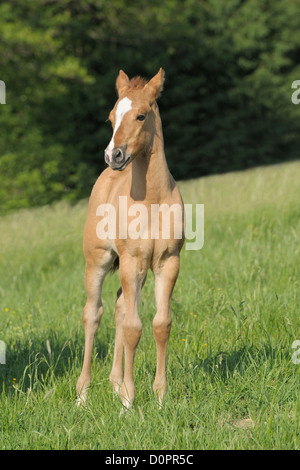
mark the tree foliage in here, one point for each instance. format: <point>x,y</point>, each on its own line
<point>227,102</point>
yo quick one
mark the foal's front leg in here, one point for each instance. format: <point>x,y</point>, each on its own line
<point>117,371</point>
<point>132,281</point>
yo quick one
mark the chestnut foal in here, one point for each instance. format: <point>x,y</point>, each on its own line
<point>137,169</point>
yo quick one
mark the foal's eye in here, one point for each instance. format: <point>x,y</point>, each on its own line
<point>141,117</point>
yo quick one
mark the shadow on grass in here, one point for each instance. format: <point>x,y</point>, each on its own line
<point>225,364</point>
<point>39,361</point>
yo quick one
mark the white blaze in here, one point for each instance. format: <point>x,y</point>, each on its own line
<point>123,107</point>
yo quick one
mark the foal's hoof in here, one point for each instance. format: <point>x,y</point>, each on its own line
<point>127,404</point>
<point>116,385</point>
<point>82,388</point>
<point>123,412</point>
<point>81,402</point>
<point>126,411</point>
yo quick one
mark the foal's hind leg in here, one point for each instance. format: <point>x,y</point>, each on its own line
<point>92,313</point>
<point>116,375</point>
<point>165,279</point>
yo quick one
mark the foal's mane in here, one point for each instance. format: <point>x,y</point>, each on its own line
<point>137,83</point>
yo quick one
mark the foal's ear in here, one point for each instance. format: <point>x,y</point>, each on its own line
<point>122,82</point>
<point>155,86</point>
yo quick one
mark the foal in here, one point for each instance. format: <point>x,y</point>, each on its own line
<point>137,169</point>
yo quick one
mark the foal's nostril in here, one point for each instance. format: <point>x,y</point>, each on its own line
<point>118,155</point>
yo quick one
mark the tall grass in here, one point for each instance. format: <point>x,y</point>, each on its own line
<point>232,383</point>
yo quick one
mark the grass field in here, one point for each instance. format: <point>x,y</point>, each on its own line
<point>232,381</point>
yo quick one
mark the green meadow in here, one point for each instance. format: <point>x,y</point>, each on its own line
<point>233,382</point>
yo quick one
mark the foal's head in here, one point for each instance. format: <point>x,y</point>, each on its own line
<point>132,118</point>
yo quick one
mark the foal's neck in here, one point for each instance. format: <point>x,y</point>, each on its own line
<point>150,174</point>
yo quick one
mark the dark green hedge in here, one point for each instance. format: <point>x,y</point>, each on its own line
<point>226,105</point>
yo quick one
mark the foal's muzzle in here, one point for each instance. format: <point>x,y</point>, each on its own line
<point>116,158</point>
